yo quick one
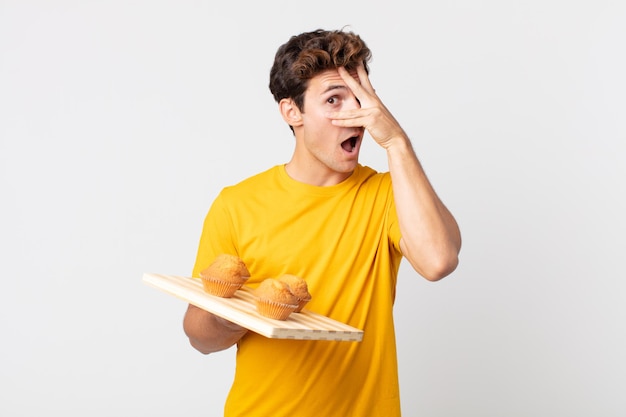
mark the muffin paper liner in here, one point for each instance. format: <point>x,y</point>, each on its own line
<point>220,288</point>
<point>274,310</point>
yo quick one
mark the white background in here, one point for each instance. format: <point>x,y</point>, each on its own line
<point>120,121</point>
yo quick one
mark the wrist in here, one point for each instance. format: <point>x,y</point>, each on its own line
<point>399,146</point>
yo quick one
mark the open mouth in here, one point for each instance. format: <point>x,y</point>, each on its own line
<point>348,145</point>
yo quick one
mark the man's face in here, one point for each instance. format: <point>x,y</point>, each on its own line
<point>331,150</point>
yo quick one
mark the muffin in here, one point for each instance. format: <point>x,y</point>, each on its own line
<point>299,288</point>
<point>225,275</point>
<point>274,299</point>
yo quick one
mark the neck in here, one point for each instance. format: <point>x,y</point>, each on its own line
<point>319,176</point>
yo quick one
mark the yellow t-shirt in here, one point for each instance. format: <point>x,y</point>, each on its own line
<point>344,240</point>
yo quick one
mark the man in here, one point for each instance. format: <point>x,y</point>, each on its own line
<point>341,226</point>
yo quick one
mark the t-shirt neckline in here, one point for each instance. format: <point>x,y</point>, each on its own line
<point>316,189</point>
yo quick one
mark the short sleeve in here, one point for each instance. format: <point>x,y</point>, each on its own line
<point>217,235</point>
<point>393,227</point>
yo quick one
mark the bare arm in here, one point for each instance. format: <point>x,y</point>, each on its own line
<point>209,333</point>
<point>431,239</point>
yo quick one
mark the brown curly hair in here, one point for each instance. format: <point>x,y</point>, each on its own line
<point>309,53</point>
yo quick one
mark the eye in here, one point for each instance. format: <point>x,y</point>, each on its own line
<point>332,100</point>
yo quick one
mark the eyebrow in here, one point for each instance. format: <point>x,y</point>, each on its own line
<point>334,87</point>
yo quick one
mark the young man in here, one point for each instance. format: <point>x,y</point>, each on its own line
<point>340,225</point>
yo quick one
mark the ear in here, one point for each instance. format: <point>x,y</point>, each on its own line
<point>290,112</point>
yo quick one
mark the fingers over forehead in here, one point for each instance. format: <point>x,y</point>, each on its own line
<point>364,79</point>
<point>351,78</point>
<point>358,80</point>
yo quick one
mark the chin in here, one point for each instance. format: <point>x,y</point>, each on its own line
<point>348,167</point>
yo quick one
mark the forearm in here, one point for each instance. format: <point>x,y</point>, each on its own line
<point>430,236</point>
<point>431,239</point>
<point>209,333</point>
